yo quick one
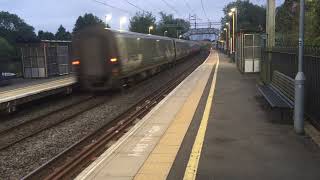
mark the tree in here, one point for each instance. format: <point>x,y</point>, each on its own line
<point>62,34</point>
<point>45,35</point>
<point>251,17</point>
<point>316,23</point>
<point>316,17</point>
<point>173,26</point>
<point>141,22</point>
<point>13,28</point>
<point>86,20</point>
<point>287,23</point>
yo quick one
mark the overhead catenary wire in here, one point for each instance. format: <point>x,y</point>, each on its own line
<point>188,5</point>
<point>111,6</point>
<point>136,6</point>
<point>204,11</point>
<point>170,6</point>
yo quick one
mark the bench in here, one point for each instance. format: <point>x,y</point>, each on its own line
<point>280,92</point>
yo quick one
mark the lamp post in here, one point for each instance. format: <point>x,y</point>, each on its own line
<point>300,78</point>
<point>226,37</point>
<point>150,28</point>
<point>123,20</point>
<point>228,24</point>
<point>165,33</point>
<point>108,18</point>
<point>231,43</point>
<point>234,14</point>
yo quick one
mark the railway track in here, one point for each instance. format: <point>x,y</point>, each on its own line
<point>72,160</point>
<point>22,131</point>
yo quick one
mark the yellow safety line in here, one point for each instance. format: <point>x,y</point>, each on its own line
<point>192,167</point>
<point>161,159</point>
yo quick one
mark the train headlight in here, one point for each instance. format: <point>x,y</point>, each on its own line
<point>76,62</point>
<point>113,60</point>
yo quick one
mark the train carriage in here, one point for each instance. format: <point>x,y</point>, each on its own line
<point>106,58</point>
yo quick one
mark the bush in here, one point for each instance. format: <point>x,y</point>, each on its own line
<point>6,49</point>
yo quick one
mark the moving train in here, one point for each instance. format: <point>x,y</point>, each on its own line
<point>106,58</point>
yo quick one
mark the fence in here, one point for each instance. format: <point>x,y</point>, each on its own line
<point>285,60</point>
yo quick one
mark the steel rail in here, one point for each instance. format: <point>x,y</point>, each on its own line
<point>10,131</point>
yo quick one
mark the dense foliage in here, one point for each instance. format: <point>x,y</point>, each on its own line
<point>87,19</point>
<point>168,23</point>
<point>62,34</point>
<point>251,17</point>
<point>173,26</point>
<point>141,22</point>
<point>45,35</point>
<point>287,23</point>
<point>13,28</point>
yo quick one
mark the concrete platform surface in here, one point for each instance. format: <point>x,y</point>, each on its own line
<point>148,150</point>
<point>20,90</point>
<point>213,126</point>
<point>244,139</point>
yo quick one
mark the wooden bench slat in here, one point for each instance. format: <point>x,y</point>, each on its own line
<point>288,90</point>
<point>284,84</point>
<point>289,95</point>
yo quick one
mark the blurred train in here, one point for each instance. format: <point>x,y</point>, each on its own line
<point>106,58</point>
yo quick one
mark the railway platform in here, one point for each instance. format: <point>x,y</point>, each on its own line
<point>212,126</point>
<point>22,91</point>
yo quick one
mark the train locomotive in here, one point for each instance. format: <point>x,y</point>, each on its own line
<point>106,58</point>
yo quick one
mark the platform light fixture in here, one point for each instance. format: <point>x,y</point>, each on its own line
<point>150,28</point>
<point>123,20</point>
<point>108,18</point>
<point>165,33</point>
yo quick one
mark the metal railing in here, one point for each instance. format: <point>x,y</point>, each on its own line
<point>285,60</point>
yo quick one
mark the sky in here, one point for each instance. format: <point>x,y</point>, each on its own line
<point>48,15</point>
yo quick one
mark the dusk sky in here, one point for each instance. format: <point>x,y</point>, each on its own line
<point>49,14</point>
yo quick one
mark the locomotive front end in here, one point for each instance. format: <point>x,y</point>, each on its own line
<point>96,60</point>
